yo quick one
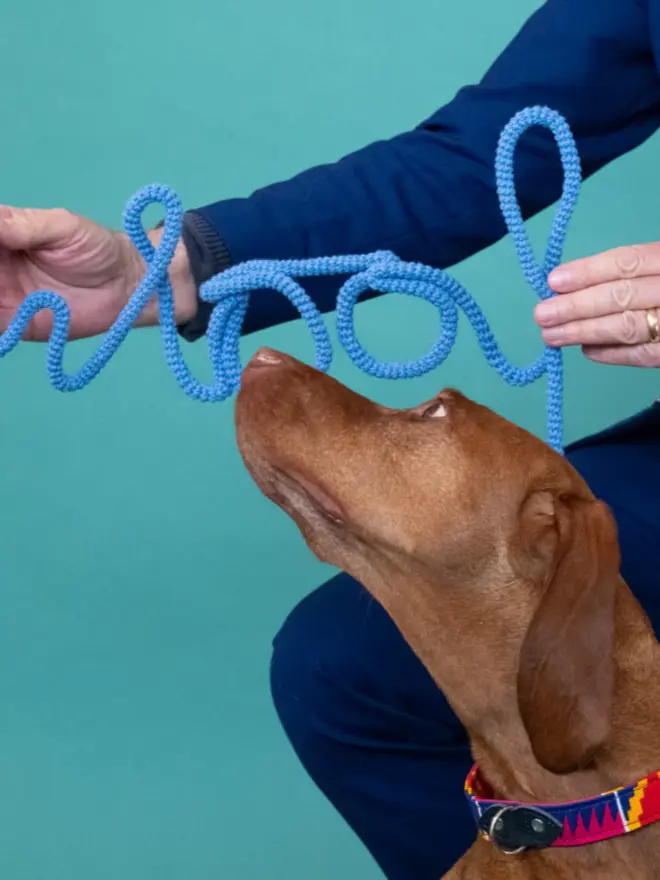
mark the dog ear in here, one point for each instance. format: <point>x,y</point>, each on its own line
<point>565,673</point>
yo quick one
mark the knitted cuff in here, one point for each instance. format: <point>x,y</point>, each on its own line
<point>208,256</point>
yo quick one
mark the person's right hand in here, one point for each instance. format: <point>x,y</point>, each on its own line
<point>94,269</point>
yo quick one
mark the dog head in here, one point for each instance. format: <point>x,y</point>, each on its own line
<point>486,547</point>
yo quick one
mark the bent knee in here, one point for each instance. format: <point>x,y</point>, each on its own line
<point>315,652</point>
<point>341,667</point>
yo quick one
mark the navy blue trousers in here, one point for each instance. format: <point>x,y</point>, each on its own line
<point>364,716</point>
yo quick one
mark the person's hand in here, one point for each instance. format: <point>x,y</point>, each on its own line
<point>609,304</point>
<point>94,269</point>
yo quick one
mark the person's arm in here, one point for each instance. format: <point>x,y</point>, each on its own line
<point>429,194</point>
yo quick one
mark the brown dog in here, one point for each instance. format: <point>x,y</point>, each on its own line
<point>501,570</point>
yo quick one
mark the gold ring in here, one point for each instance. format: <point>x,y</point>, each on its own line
<point>653,324</point>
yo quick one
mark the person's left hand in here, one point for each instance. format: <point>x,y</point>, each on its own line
<point>609,304</point>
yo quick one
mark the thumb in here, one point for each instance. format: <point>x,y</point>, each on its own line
<point>25,229</point>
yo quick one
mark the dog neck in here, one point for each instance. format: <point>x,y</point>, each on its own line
<point>466,656</point>
<point>630,754</point>
<point>632,750</point>
<point>475,665</point>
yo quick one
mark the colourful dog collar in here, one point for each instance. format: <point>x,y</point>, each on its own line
<point>514,827</point>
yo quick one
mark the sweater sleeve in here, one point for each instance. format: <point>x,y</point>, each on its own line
<point>429,194</point>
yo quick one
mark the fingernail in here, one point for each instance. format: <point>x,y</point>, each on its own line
<point>553,336</point>
<point>544,311</point>
<point>559,278</point>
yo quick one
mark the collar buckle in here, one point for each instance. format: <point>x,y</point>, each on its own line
<point>513,828</point>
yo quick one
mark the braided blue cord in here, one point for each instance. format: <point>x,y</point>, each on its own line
<point>380,271</point>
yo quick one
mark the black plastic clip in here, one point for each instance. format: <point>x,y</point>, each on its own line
<point>513,829</point>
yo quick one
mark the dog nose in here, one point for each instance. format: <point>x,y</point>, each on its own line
<point>268,357</point>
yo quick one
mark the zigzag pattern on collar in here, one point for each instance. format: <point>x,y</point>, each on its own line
<point>607,815</point>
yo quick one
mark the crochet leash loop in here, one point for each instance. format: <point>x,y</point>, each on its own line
<point>380,271</point>
<point>535,274</point>
<point>157,263</point>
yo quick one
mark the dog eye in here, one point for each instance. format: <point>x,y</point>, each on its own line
<point>436,410</point>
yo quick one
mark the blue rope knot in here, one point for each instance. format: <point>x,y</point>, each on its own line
<point>381,271</point>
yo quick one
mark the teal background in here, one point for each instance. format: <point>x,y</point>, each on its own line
<point>143,576</point>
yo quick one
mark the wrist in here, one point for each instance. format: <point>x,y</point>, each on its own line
<point>184,289</point>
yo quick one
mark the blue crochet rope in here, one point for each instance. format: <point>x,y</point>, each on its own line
<point>381,271</point>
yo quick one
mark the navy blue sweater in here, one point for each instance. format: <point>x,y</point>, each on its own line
<point>429,194</point>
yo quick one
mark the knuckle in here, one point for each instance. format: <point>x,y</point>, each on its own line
<point>629,261</point>
<point>62,216</point>
<point>628,328</point>
<point>623,293</point>
<point>643,356</point>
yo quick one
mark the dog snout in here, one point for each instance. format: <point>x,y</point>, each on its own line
<point>267,357</point>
